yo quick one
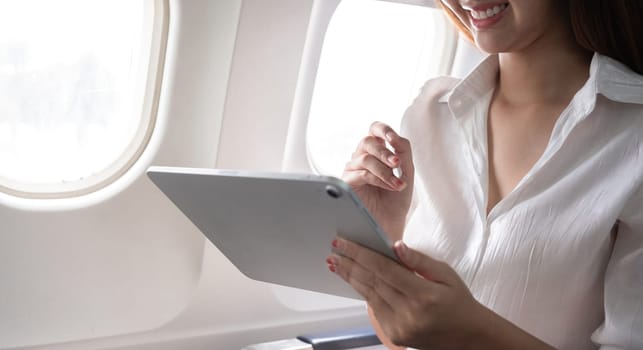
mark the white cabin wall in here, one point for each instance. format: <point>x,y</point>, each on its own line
<point>129,271</point>
<point>123,260</point>
<point>228,309</point>
<point>207,91</point>
<point>262,85</point>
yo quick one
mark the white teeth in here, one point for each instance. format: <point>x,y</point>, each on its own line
<point>491,12</point>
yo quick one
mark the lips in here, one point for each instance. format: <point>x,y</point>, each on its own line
<point>489,12</point>
<point>486,15</point>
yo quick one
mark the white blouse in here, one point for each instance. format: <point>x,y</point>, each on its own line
<point>561,256</point>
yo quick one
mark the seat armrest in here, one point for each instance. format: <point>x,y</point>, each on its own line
<point>340,340</point>
<point>287,344</point>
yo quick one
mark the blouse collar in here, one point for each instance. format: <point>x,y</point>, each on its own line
<point>607,77</point>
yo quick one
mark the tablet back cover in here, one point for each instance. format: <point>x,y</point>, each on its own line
<point>275,228</point>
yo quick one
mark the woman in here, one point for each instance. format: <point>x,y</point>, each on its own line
<point>522,205</point>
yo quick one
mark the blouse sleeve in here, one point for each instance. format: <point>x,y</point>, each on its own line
<point>623,293</point>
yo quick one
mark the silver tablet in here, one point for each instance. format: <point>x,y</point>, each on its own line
<point>274,227</point>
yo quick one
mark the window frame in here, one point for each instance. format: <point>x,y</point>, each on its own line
<point>157,22</point>
<point>297,158</point>
<point>296,153</point>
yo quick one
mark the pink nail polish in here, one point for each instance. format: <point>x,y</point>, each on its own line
<point>401,249</point>
<point>338,244</point>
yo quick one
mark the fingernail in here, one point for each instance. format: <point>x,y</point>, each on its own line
<point>393,160</point>
<point>401,249</point>
<point>397,172</point>
<point>397,182</point>
<point>338,244</point>
<point>332,268</point>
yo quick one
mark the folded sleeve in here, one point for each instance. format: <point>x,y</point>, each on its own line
<point>623,325</point>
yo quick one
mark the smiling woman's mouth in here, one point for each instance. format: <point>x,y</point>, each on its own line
<point>488,13</point>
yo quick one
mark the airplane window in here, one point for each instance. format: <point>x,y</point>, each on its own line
<point>375,58</point>
<point>75,91</point>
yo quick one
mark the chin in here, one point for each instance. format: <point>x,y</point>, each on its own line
<point>491,46</point>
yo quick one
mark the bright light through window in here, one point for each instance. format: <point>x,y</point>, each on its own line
<point>375,58</point>
<point>73,75</point>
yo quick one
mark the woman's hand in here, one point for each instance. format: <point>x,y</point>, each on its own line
<point>370,174</point>
<point>423,305</point>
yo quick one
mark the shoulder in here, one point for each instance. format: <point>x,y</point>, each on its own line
<point>616,81</point>
<point>430,102</point>
<point>436,90</point>
<point>433,99</point>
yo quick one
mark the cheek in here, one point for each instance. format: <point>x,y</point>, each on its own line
<point>528,28</point>
<point>536,18</point>
<point>516,35</point>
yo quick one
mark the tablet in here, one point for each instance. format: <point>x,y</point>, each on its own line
<point>274,227</point>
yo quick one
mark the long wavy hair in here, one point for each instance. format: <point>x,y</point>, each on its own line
<point>612,28</point>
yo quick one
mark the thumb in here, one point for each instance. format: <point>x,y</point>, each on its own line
<point>421,264</point>
<point>402,149</point>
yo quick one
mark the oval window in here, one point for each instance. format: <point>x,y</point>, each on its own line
<point>77,91</point>
<point>375,58</point>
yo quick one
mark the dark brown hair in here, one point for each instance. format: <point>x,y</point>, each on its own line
<point>612,28</point>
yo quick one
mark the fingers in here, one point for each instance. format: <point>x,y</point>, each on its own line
<point>385,132</point>
<point>377,147</point>
<point>369,264</point>
<point>367,169</point>
<point>401,145</point>
<point>373,163</point>
<point>375,291</point>
<point>424,265</point>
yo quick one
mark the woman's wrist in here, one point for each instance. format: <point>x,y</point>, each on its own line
<point>492,331</point>
<point>482,333</point>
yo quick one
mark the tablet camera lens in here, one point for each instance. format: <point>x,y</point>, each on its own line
<point>333,191</point>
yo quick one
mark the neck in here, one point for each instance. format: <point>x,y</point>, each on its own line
<point>550,71</point>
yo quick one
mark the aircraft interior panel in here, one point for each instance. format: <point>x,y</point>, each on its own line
<point>120,267</point>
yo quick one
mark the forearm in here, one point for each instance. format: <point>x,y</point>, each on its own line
<point>497,333</point>
<point>424,304</point>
